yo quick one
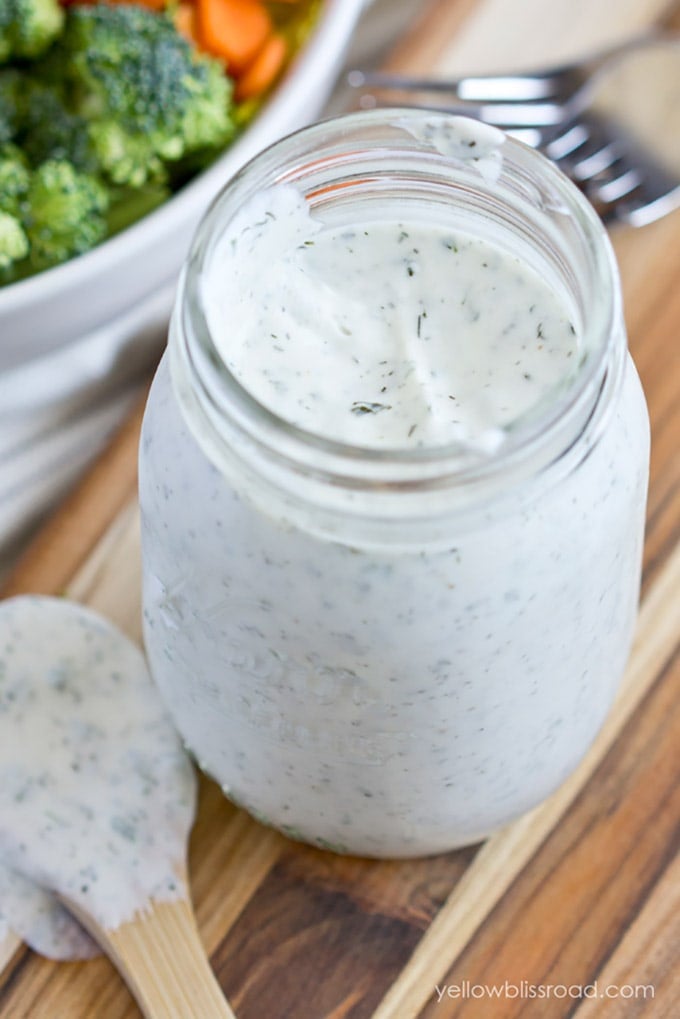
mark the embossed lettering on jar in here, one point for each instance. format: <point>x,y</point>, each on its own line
<point>393,477</point>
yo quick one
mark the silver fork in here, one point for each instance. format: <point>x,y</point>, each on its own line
<point>557,111</point>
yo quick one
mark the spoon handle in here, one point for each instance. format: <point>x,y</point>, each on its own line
<point>162,960</point>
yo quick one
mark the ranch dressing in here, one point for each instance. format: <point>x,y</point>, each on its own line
<point>371,647</point>
<point>384,334</point>
<point>96,793</point>
<point>462,140</point>
<point>37,917</point>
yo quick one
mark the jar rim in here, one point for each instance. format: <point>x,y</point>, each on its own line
<point>332,144</point>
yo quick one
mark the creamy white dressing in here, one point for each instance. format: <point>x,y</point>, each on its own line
<point>38,918</point>
<point>384,334</point>
<point>96,793</point>
<point>462,140</point>
<point>396,693</point>
<point>390,704</point>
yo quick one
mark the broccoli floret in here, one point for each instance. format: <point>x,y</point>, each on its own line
<point>65,213</point>
<point>14,183</point>
<point>28,27</point>
<point>14,180</point>
<point>107,119</point>
<point>10,89</point>
<point>150,97</point>
<point>13,242</point>
<point>49,130</point>
<point>126,157</point>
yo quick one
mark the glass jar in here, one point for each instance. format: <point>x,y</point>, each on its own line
<point>395,652</point>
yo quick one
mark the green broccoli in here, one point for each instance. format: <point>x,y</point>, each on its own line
<point>28,27</point>
<point>149,97</point>
<point>106,111</point>
<point>47,129</point>
<point>14,183</point>
<point>11,83</point>
<point>13,242</point>
<point>14,180</point>
<point>65,213</point>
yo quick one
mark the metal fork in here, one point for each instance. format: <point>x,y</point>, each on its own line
<point>553,110</point>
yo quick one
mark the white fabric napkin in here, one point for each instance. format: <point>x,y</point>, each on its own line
<point>57,412</point>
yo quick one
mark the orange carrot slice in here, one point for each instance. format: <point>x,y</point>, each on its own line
<point>233,29</point>
<point>260,74</point>
<point>186,22</point>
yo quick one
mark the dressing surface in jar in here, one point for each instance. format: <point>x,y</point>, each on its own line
<point>393,476</point>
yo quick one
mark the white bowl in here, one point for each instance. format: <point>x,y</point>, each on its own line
<point>55,307</point>
<point>75,340</point>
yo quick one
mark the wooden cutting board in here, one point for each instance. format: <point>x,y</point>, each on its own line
<point>584,889</point>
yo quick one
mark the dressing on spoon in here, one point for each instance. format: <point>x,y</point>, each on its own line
<point>97,799</point>
<point>39,919</point>
<point>96,793</point>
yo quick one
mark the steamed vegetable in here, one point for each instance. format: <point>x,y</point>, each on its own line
<point>15,180</point>
<point>28,27</point>
<point>10,87</point>
<point>64,214</point>
<point>234,29</point>
<point>14,183</point>
<point>13,242</point>
<point>149,97</point>
<point>263,70</point>
<point>48,128</point>
<point>109,106</point>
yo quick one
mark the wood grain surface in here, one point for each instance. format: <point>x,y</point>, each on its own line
<point>585,890</point>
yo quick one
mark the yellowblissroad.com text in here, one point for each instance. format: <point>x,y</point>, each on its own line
<point>526,990</point>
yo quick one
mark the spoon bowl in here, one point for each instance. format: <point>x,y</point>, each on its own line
<point>97,800</point>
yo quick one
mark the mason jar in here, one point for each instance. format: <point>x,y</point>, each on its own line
<point>394,652</point>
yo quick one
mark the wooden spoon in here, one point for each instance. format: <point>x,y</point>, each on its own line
<point>162,960</point>
<point>84,710</point>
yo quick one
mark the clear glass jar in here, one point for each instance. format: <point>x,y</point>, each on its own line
<point>394,653</point>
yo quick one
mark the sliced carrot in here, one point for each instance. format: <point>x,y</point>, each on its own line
<point>234,30</point>
<point>260,74</point>
<point>186,22</point>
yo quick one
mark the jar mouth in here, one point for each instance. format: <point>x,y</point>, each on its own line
<point>353,155</point>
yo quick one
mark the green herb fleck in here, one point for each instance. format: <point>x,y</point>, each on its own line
<point>360,407</point>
